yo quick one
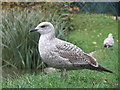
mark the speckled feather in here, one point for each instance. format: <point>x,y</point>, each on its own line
<point>75,55</point>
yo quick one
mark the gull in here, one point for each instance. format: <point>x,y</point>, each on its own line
<point>63,55</point>
<point>109,41</point>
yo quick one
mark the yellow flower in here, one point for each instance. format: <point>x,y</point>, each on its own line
<point>94,43</point>
<point>98,35</point>
<point>76,8</point>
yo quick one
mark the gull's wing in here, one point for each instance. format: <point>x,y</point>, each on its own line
<point>74,54</point>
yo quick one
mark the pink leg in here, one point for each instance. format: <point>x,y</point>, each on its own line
<point>64,73</point>
<point>61,75</point>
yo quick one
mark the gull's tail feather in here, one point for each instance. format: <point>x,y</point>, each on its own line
<point>105,46</point>
<point>101,69</point>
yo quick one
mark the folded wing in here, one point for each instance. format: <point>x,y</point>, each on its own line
<point>75,55</point>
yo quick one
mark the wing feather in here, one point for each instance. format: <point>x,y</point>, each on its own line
<point>75,55</point>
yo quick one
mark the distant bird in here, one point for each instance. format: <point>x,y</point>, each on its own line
<point>61,54</point>
<point>109,41</point>
<point>116,17</point>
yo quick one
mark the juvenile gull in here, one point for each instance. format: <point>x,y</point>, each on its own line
<point>61,54</point>
<point>109,41</point>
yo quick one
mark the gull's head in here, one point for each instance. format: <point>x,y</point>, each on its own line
<point>44,28</point>
<point>110,35</point>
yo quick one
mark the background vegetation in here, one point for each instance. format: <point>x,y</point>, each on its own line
<point>20,47</point>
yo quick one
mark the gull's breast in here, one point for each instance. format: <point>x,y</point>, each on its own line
<point>50,57</point>
<point>44,49</point>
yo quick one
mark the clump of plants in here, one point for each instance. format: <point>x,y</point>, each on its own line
<point>19,46</point>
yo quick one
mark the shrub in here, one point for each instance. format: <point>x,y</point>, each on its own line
<point>19,47</point>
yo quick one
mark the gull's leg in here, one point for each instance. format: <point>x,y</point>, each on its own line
<point>42,67</point>
<point>61,75</point>
<point>107,46</point>
<point>64,73</point>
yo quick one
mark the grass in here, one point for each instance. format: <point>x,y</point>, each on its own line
<point>19,46</point>
<point>87,30</point>
<point>93,28</point>
<point>75,79</point>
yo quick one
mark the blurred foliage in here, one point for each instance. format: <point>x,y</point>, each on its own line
<point>61,9</point>
<point>71,7</point>
<point>8,5</point>
<point>20,48</point>
<point>34,5</point>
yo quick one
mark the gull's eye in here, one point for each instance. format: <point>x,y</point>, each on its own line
<point>43,26</point>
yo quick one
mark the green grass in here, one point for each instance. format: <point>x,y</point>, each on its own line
<point>93,28</point>
<point>75,79</point>
<point>87,27</point>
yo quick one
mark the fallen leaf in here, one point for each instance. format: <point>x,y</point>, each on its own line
<point>94,43</point>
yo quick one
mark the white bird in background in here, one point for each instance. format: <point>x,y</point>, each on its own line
<point>109,41</point>
<point>61,54</point>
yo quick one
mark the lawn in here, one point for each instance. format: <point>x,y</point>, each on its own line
<point>90,31</point>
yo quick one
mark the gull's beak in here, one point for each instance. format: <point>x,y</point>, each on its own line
<point>32,30</point>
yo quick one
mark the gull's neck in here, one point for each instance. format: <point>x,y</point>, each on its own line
<point>47,37</point>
